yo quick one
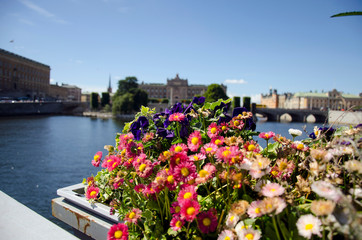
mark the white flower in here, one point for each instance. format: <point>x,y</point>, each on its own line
<point>353,166</point>
<point>231,220</point>
<point>308,225</point>
<point>272,190</point>
<point>240,228</point>
<point>249,234</point>
<point>294,132</point>
<point>326,190</point>
<point>226,234</point>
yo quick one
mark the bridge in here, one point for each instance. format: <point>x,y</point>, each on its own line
<point>295,115</point>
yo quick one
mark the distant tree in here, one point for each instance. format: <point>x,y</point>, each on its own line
<point>94,101</point>
<point>236,102</point>
<point>140,97</point>
<point>123,104</point>
<point>105,99</point>
<point>126,85</point>
<point>246,103</point>
<point>214,92</point>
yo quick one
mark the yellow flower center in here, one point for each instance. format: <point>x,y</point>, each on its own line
<point>142,167</point>
<point>190,210</point>
<point>203,173</point>
<point>170,179</point>
<point>96,158</point>
<point>249,236</point>
<point>177,161</point>
<point>236,123</point>
<point>177,209</point>
<point>266,135</point>
<point>227,238</point>
<point>166,154</point>
<point>131,215</point>
<point>178,149</point>
<point>114,164</point>
<point>232,218</point>
<point>283,166</point>
<point>178,224</point>
<point>196,158</point>
<point>300,146</point>
<point>309,226</point>
<point>251,147</point>
<point>213,130</point>
<point>187,195</point>
<point>206,222</point>
<point>217,142</point>
<point>118,234</point>
<point>274,173</point>
<point>257,210</point>
<point>93,193</point>
<point>226,153</point>
<point>195,140</point>
<point>209,149</point>
<point>272,190</point>
<point>185,172</point>
<point>224,128</point>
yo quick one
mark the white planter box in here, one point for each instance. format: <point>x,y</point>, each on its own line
<point>75,194</point>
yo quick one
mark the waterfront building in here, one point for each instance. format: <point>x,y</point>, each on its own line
<point>23,77</point>
<point>175,90</point>
<point>332,100</point>
<point>65,92</point>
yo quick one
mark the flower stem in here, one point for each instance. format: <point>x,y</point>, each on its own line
<point>276,227</point>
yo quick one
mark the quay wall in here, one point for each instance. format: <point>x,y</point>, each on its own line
<point>41,108</point>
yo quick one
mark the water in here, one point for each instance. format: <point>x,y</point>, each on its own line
<point>38,155</point>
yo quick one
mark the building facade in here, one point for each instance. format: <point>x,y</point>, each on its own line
<point>23,77</point>
<point>332,100</point>
<point>175,90</point>
<point>65,92</point>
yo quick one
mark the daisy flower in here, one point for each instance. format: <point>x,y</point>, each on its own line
<point>133,216</point>
<point>170,182</point>
<point>185,172</point>
<point>213,130</point>
<point>175,208</point>
<point>189,210</point>
<point>254,209</point>
<point>251,146</point>
<point>231,220</point>
<point>326,190</point>
<point>224,127</point>
<point>294,132</point>
<point>308,225</point>
<point>218,140</point>
<point>206,173</point>
<point>226,235</point>
<point>177,223</point>
<point>92,192</point>
<point>272,190</point>
<point>97,159</point>
<point>209,149</point>
<point>298,145</point>
<point>186,194</point>
<point>266,135</point>
<point>207,221</point>
<point>240,228</point>
<point>197,157</point>
<point>249,234</point>
<point>176,117</point>
<point>194,141</point>
<point>322,207</point>
<point>237,123</point>
<point>180,147</point>
<point>118,231</point>
<point>144,168</point>
<point>178,158</point>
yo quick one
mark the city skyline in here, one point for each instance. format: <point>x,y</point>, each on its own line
<point>249,47</point>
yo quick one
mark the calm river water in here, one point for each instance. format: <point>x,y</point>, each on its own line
<point>40,154</point>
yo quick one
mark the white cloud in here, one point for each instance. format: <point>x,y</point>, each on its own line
<point>235,81</point>
<point>43,12</point>
<point>92,88</point>
<point>52,81</point>
<point>26,21</point>
<point>255,98</point>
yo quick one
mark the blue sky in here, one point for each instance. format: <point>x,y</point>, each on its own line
<point>250,46</point>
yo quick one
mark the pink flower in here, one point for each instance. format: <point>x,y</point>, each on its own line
<point>209,149</point>
<point>213,130</point>
<point>207,221</point>
<point>177,223</point>
<point>254,209</point>
<point>175,208</point>
<point>189,210</point>
<point>124,139</point>
<point>177,159</point>
<point>118,231</point>
<point>272,190</point>
<point>148,136</point>
<point>197,157</point>
<point>252,146</point>
<point>179,148</point>
<point>224,127</point>
<point>139,188</point>
<point>237,123</point>
<point>133,215</point>
<point>97,159</point>
<point>92,192</point>
<point>226,234</point>
<point>171,182</point>
<point>300,146</point>
<point>206,173</point>
<point>144,168</point>
<point>266,135</point>
<point>176,117</point>
<point>194,141</point>
<point>218,140</point>
<point>186,194</point>
<point>185,171</point>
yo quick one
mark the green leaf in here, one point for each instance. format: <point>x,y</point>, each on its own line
<point>172,232</point>
<point>176,141</point>
<point>147,214</point>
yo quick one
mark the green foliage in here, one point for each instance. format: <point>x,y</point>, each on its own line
<point>246,103</point>
<point>215,92</point>
<point>126,85</point>
<point>123,104</point>
<point>107,108</point>
<point>105,99</point>
<point>236,102</point>
<point>347,14</point>
<point>140,98</point>
<point>94,101</point>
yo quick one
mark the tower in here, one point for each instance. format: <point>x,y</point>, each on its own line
<point>109,85</point>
